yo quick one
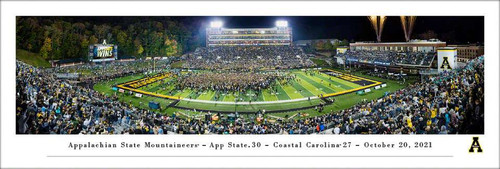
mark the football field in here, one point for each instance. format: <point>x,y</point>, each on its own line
<point>305,85</point>
<point>304,92</point>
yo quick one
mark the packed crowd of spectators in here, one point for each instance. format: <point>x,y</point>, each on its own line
<point>448,103</point>
<point>390,57</point>
<point>248,58</point>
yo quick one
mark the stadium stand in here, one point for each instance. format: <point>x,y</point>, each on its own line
<point>390,57</point>
<point>248,58</point>
<point>449,103</point>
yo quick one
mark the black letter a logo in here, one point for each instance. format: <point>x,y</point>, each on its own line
<point>475,144</point>
<point>445,64</point>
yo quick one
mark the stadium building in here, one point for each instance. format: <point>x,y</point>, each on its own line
<point>216,35</point>
<point>412,46</point>
<point>468,52</point>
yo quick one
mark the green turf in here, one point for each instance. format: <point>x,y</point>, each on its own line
<point>260,97</point>
<point>207,95</point>
<point>301,90</point>
<point>32,58</point>
<point>269,96</point>
<point>282,95</point>
<point>304,86</point>
<point>292,92</point>
<point>346,83</point>
<point>184,93</point>
<point>342,102</point>
<point>346,101</point>
<point>336,81</point>
<point>248,95</point>
<point>230,97</point>
<point>106,88</point>
<point>308,86</point>
<point>316,83</point>
<point>219,97</point>
<point>156,87</point>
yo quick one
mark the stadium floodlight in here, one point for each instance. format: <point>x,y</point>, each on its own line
<point>216,24</point>
<point>235,32</point>
<point>262,32</point>
<point>281,23</point>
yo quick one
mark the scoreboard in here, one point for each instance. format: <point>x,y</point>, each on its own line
<point>102,52</point>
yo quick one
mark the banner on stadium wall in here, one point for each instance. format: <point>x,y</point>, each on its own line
<point>447,59</point>
<point>367,90</point>
<point>383,85</point>
<point>377,87</point>
<point>138,95</point>
<point>121,90</point>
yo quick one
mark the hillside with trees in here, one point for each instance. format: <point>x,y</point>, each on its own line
<point>69,37</point>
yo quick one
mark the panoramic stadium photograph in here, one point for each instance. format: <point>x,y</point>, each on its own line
<point>250,75</point>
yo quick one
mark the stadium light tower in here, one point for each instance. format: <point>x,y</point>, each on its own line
<point>216,24</point>
<point>281,23</point>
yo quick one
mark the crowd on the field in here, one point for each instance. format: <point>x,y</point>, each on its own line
<point>389,57</point>
<point>230,81</point>
<point>448,103</point>
<point>248,58</point>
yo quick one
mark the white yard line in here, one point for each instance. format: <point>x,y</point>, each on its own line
<point>293,116</point>
<point>284,90</point>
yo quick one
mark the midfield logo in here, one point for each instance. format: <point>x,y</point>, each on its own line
<point>475,144</point>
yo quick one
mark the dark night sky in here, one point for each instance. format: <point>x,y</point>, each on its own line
<point>456,29</point>
<point>452,29</point>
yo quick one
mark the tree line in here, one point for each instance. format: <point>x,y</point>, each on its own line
<point>63,38</point>
<point>327,45</point>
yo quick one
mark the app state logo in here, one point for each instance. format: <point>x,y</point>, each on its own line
<point>475,146</point>
<point>445,64</point>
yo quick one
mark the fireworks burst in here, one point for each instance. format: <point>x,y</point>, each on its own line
<point>408,23</point>
<point>378,25</point>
